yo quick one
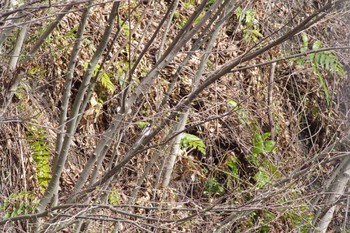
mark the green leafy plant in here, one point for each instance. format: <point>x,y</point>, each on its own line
<point>267,217</point>
<point>121,72</point>
<point>114,197</point>
<point>299,217</point>
<point>107,83</point>
<point>232,168</point>
<point>125,28</point>
<point>261,218</point>
<point>213,187</point>
<point>18,203</point>
<point>233,104</point>
<point>249,24</point>
<point>242,114</point>
<point>182,20</point>
<point>210,2</point>
<point>142,124</point>
<point>37,138</point>
<point>262,177</point>
<point>189,4</point>
<point>261,144</point>
<point>192,141</point>
<point>105,78</point>
<point>73,32</point>
<point>36,71</point>
<point>325,60</point>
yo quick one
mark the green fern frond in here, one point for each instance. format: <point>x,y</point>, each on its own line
<point>192,141</point>
<point>325,60</point>
<point>37,138</point>
<point>107,83</point>
<point>328,61</point>
<point>323,85</point>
